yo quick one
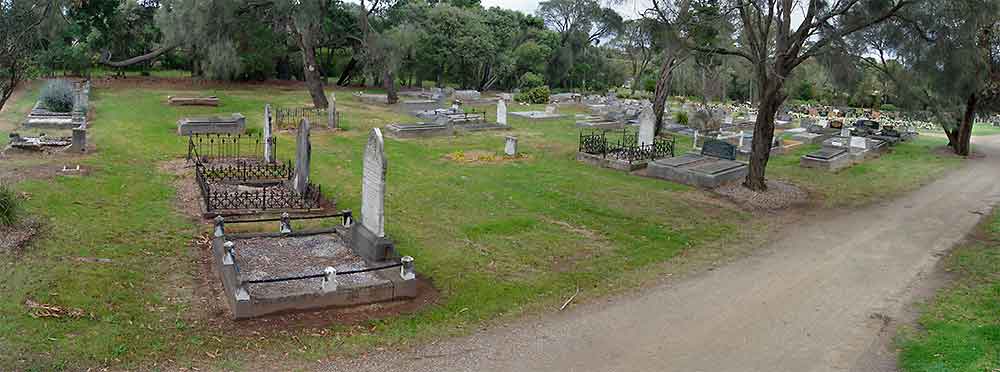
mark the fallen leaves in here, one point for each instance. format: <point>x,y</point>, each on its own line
<point>39,310</point>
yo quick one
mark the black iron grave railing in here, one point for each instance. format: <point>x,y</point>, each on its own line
<point>627,147</point>
<point>246,172</point>
<point>223,191</point>
<point>290,117</point>
<point>204,148</point>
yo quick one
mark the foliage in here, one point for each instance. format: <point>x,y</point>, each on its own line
<point>537,95</point>
<point>58,96</point>
<point>10,206</point>
<point>681,117</point>
<point>888,107</point>
<point>531,80</point>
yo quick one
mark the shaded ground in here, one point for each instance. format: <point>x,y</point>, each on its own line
<point>816,299</point>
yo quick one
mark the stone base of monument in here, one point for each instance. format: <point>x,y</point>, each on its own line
<point>268,273</point>
<point>66,122</point>
<point>366,244</point>
<point>418,130</point>
<point>611,162</point>
<point>536,115</point>
<point>235,124</point>
<point>831,159</point>
<point>597,122</point>
<point>193,101</point>
<point>810,138</point>
<point>698,170</point>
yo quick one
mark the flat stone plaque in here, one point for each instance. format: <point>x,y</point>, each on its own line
<point>716,167</point>
<point>826,153</point>
<point>681,160</point>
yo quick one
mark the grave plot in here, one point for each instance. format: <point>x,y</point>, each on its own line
<point>351,264</point>
<point>290,117</point>
<point>549,113</point>
<point>629,150</point>
<point>827,158</point>
<point>235,124</point>
<point>212,101</point>
<point>445,122</point>
<point>266,273</point>
<point>715,166</point>
<point>48,129</point>
<point>239,175</point>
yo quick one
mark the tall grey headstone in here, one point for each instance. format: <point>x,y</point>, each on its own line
<point>268,135</point>
<point>845,131</point>
<point>331,113</point>
<point>647,126</point>
<point>79,142</point>
<point>303,154</point>
<point>373,185</point>
<point>501,112</point>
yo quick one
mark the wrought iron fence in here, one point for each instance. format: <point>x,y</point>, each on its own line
<point>290,117</point>
<point>274,196</point>
<point>627,146</point>
<point>209,147</point>
<point>244,172</point>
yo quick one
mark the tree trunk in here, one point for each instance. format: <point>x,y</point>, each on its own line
<point>345,77</point>
<point>389,82</point>
<point>314,80</point>
<point>661,93</point>
<point>770,98</point>
<point>963,135</point>
<point>134,60</point>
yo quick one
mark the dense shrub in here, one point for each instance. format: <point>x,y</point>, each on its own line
<point>57,96</point>
<point>538,95</point>
<point>681,117</point>
<point>889,107</point>
<point>531,80</point>
<point>10,206</point>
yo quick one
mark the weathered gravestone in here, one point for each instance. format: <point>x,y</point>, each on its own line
<point>550,109</point>
<point>79,142</point>
<point>510,147</point>
<point>368,237</point>
<point>268,135</point>
<point>845,131</point>
<point>501,112</point>
<point>303,154</point>
<point>647,126</point>
<point>331,113</point>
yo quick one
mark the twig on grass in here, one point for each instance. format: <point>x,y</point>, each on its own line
<point>570,299</point>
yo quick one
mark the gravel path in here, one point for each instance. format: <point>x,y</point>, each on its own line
<point>814,300</point>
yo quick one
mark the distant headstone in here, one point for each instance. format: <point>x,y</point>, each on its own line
<point>510,147</point>
<point>331,113</point>
<point>303,155</point>
<point>467,95</point>
<point>719,149</point>
<point>647,126</point>
<point>79,142</point>
<point>268,135</point>
<point>501,112</point>
<point>860,143</point>
<point>550,109</point>
<point>373,185</point>
<point>845,131</point>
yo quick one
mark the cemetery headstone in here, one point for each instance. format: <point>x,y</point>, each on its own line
<point>859,143</point>
<point>268,135</point>
<point>373,185</point>
<point>303,154</point>
<point>845,131</point>
<point>510,147</point>
<point>647,126</point>
<point>550,109</point>
<point>79,142</point>
<point>501,112</point>
<point>331,113</point>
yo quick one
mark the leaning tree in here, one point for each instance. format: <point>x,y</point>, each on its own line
<point>19,28</point>
<point>776,36</point>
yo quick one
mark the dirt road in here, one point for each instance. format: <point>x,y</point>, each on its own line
<point>814,300</point>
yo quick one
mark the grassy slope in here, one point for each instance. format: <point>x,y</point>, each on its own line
<point>960,328</point>
<point>496,239</point>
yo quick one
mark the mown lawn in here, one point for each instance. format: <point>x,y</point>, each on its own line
<point>960,328</point>
<point>496,239</point>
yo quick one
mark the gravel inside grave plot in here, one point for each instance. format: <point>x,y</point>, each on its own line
<point>280,257</point>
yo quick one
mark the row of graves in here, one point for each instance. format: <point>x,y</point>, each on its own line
<point>57,132</point>
<point>863,140</point>
<point>446,122</point>
<point>343,262</point>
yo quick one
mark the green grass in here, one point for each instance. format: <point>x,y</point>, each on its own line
<point>960,329</point>
<point>498,240</point>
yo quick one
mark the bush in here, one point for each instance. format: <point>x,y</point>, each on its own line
<point>531,80</point>
<point>58,96</point>
<point>537,95</point>
<point>10,206</point>
<point>889,107</point>
<point>681,117</point>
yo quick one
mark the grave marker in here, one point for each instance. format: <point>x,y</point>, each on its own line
<point>501,112</point>
<point>510,147</point>
<point>268,135</point>
<point>647,126</point>
<point>303,154</point>
<point>373,185</point>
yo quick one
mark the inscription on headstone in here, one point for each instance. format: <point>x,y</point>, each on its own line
<point>303,154</point>
<point>373,185</point>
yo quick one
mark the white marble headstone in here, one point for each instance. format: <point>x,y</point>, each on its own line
<point>373,184</point>
<point>550,109</point>
<point>647,126</point>
<point>501,112</point>
<point>859,143</point>
<point>268,150</point>
<point>845,131</point>
<point>510,146</point>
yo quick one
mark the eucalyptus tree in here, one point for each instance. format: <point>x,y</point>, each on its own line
<point>774,39</point>
<point>580,24</point>
<point>671,20</point>
<point>635,42</point>
<point>20,27</point>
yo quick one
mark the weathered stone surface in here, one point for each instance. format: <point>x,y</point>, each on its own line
<point>647,126</point>
<point>235,124</point>
<point>268,134</point>
<point>501,112</point>
<point>510,146</point>
<point>550,109</point>
<point>373,184</point>
<point>303,156</point>
<point>467,95</point>
<point>193,101</point>
<point>79,142</point>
